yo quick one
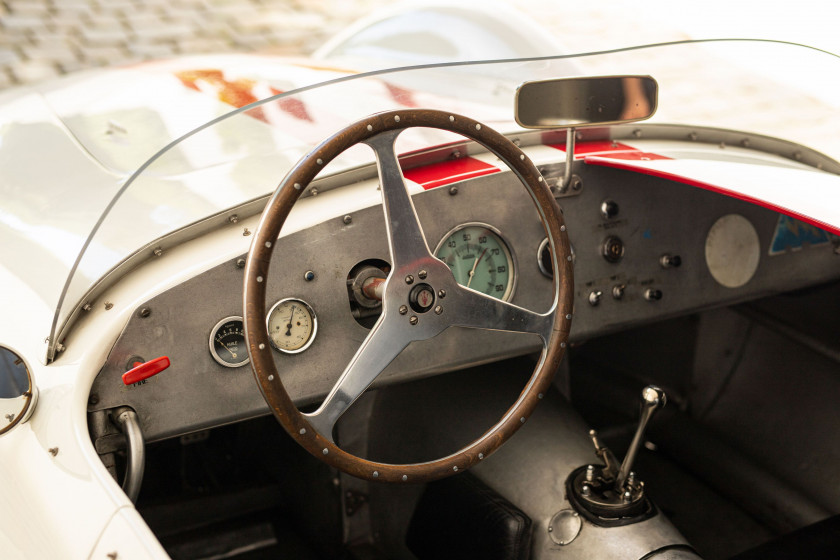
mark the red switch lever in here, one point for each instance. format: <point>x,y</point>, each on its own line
<point>142,371</point>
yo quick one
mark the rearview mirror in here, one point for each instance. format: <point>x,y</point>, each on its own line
<point>17,390</point>
<point>581,102</point>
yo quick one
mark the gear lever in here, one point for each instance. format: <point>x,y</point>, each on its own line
<point>653,398</point>
<point>612,491</point>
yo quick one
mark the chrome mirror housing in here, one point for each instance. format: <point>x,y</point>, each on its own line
<point>18,393</point>
<point>582,102</point>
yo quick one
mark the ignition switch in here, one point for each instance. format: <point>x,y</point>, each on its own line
<point>612,249</point>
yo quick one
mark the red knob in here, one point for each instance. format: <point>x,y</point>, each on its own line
<point>142,371</point>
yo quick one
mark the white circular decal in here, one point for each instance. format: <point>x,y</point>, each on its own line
<point>732,250</point>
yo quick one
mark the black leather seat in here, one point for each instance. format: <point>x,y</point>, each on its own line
<point>461,517</point>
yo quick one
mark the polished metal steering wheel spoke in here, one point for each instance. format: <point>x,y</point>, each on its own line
<point>405,235</point>
<point>479,311</point>
<point>384,343</point>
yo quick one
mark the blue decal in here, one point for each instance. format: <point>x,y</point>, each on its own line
<point>791,234</point>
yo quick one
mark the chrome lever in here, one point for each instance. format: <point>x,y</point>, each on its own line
<point>653,399</point>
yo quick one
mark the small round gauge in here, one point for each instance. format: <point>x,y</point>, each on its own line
<point>227,342</point>
<point>480,259</point>
<point>291,325</point>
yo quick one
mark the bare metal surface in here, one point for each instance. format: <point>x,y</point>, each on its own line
<point>661,217</point>
<point>530,471</point>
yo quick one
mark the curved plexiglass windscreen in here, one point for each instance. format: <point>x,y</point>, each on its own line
<point>774,89</point>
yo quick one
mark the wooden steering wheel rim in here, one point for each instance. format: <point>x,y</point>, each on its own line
<point>254,294</point>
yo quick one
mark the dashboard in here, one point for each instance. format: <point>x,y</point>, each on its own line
<point>645,248</point>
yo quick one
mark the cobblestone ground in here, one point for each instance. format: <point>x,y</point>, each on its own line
<point>41,39</point>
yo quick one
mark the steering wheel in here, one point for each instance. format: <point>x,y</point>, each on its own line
<point>421,297</point>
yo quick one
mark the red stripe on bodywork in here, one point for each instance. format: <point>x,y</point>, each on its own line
<point>447,172</point>
<point>609,149</point>
<point>608,162</point>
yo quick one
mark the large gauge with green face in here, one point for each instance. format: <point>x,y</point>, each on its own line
<point>480,259</point>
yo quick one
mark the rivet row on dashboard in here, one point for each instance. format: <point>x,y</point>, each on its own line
<point>302,431</point>
<point>370,128</point>
<point>268,244</point>
<point>240,263</point>
<point>451,118</point>
<point>540,179</point>
<point>347,219</point>
<point>522,419</point>
<point>297,186</point>
<point>453,191</point>
<point>271,378</point>
<point>325,451</point>
<point>569,316</point>
<point>562,345</point>
<point>522,157</point>
<point>478,127</point>
<point>455,468</point>
<point>562,228</point>
<point>397,118</point>
<point>309,276</point>
<point>480,456</point>
<point>540,396</point>
<point>375,474</point>
<point>404,477</point>
<point>262,346</point>
<point>319,161</point>
<point>259,278</point>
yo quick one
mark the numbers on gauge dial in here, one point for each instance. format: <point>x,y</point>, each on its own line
<point>227,343</point>
<point>480,259</point>
<point>291,325</point>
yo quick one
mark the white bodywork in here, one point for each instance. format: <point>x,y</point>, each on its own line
<point>58,500</point>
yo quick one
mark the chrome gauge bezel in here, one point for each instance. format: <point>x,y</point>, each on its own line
<point>509,254</point>
<point>215,330</point>
<point>311,314</point>
<point>543,245</point>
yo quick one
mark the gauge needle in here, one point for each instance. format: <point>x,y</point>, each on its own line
<point>475,264</point>
<point>231,352</point>
<point>289,324</point>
